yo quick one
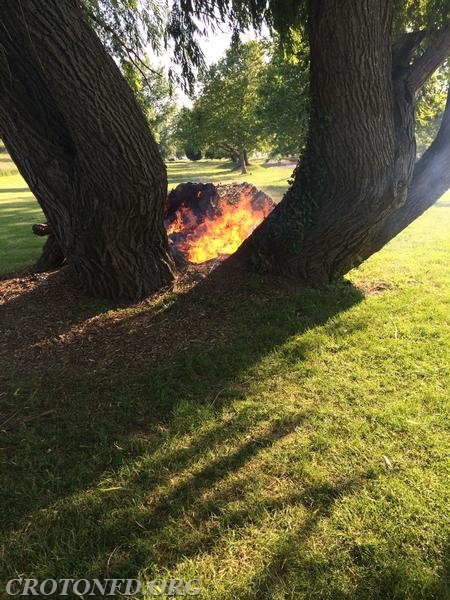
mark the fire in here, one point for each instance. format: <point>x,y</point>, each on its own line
<point>206,228</point>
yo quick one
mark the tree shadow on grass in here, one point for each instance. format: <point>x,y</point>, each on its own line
<point>131,439</point>
<point>15,190</point>
<point>199,176</point>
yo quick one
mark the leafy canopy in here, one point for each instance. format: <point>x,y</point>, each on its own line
<point>159,103</point>
<point>226,113</point>
<point>127,27</point>
<point>283,98</point>
<point>255,98</point>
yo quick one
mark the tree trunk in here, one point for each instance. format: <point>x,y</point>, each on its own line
<point>80,140</point>
<point>243,161</point>
<point>356,185</point>
<point>52,256</point>
<point>431,179</point>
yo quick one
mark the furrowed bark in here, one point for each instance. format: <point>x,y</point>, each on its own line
<point>403,48</point>
<point>349,171</point>
<point>357,184</point>
<point>430,181</point>
<point>52,256</point>
<point>80,140</point>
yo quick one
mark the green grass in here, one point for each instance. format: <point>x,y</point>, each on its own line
<point>273,180</point>
<point>274,442</point>
<point>7,167</point>
<point>19,210</point>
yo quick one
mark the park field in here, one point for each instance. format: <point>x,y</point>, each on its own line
<point>7,167</point>
<point>275,442</point>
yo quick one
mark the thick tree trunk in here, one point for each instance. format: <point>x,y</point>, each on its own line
<point>431,179</point>
<point>52,256</point>
<point>356,185</point>
<point>77,135</point>
<point>243,161</point>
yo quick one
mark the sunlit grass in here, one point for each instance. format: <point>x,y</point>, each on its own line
<point>7,167</point>
<point>18,211</point>
<point>272,179</point>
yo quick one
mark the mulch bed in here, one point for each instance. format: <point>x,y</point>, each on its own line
<point>46,321</point>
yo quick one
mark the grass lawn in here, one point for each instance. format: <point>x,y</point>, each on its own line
<point>7,167</point>
<point>19,210</point>
<point>273,180</point>
<point>276,443</point>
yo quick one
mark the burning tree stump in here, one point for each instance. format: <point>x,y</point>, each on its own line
<point>206,221</point>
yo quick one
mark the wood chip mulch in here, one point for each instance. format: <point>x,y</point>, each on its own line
<point>46,321</point>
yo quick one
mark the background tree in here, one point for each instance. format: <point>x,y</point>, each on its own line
<point>430,107</point>
<point>225,115</point>
<point>283,97</point>
<point>160,104</point>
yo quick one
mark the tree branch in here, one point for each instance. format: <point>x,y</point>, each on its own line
<point>41,229</point>
<point>431,179</point>
<point>133,56</point>
<point>403,48</point>
<point>227,147</point>
<point>5,71</point>
<point>432,172</point>
<point>429,61</point>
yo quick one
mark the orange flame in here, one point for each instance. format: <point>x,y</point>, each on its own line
<point>219,235</point>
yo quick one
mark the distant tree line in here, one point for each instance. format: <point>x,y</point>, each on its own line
<point>256,99</point>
